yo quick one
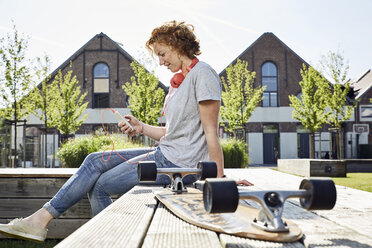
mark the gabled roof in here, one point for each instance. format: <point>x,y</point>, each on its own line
<point>362,84</point>
<point>257,41</point>
<point>78,52</point>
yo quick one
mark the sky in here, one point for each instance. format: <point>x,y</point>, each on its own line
<point>225,28</point>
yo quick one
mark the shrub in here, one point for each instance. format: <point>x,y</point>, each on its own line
<point>73,152</point>
<point>234,153</point>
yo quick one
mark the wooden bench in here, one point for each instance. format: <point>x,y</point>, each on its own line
<point>137,220</point>
<point>23,191</point>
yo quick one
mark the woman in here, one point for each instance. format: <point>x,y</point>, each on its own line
<point>190,135</point>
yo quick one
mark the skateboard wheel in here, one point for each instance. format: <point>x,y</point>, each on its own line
<point>208,170</point>
<point>147,171</point>
<point>220,195</point>
<point>322,194</point>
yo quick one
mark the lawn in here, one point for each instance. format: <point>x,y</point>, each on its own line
<point>362,181</point>
<point>14,243</point>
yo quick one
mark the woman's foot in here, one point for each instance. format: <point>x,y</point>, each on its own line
<point>19,228</point>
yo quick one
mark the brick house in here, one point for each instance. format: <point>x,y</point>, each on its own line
<point>101,66</point>
<point>358,138</point>
<point>272,133</point>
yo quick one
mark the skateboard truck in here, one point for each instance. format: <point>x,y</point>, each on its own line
<point>222,196</point>
<point>147,171</point>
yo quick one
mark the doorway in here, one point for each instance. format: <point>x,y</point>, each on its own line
<point>270,143</point>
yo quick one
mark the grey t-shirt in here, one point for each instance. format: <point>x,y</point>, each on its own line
<point>184,143</point>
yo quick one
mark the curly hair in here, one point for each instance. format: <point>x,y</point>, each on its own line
<point>178,35</point>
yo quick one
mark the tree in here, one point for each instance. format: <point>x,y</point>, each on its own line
<point>43,99</point>
<point>239,97</point>
<point>145,96</point>
<point>15,78</point>
<point>310,110</point>
<point>70,105</point>
<point>333,65</point>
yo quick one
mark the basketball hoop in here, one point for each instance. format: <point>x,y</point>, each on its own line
<point>361,128</point>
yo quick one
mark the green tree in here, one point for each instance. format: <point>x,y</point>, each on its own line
<point>15,78</point>
<point>239,97</point>
<point>145,96</point>
<point>43,100</point>
<point>336,68</point>
<point>310,110</point>
<point>70,105</point>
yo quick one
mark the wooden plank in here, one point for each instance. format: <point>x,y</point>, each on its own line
<point>322,228</point>
<point>321,231</point>
<point>30,187</point>
<point>122,224</point>
<point>167,230</point>
<point>37,172</point>
<point>15,208</point>
<point>58,228</point>
<point>353,209</point>
<point>229,241</point>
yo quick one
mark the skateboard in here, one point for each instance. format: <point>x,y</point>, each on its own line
<point>216,204</point>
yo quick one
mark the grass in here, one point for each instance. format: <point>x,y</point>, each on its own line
<point>15,243</point>
<point>361,181</point>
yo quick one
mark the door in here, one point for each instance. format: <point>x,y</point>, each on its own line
<point>270,144</point>
<point>304,146</point>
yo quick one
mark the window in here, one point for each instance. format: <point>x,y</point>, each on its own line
<point>270,80</point>
<point>101,86</point>
<point>366,113</point>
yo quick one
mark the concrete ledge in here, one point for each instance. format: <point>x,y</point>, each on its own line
<point>313,167</point>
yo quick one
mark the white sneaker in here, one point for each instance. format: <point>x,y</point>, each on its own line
<point>18,228</point>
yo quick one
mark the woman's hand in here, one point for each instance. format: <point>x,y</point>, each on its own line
<point>136,124</point>
<point>244,183</point>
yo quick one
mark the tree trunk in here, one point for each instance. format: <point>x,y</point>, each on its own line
<point>15,161</point>
<point>320,144</point>
<point>338,139</point>
<point>46,143</point>
<point>312,145</point>
<point>54,152</point>
<point>24,144</point>
<point>341,143</point>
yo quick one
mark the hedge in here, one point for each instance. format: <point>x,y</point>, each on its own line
<point>73,152</point>
<point>234,153</point>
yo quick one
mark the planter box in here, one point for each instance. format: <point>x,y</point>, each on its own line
<point>359,165</point>
<point>313,167</point>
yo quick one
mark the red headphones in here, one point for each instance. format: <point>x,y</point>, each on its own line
<point>178,78</point>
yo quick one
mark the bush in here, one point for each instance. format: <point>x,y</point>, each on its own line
<point>73,152</point>
<point>234,153</point>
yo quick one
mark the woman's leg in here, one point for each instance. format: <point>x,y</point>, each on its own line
<point>121,179</point>
<point>85,178</point>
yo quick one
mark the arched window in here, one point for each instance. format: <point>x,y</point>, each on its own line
<point>270,80</point>
<point>101,85</point>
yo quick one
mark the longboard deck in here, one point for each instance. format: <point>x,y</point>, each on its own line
<point>189,206</point>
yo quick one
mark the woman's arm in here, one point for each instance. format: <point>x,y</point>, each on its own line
<point>209,111</point>
<point>139,127</point>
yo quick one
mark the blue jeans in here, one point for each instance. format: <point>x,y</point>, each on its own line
<point>100,179</point>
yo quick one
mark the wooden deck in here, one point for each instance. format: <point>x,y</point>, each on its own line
<point>136,219</point>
